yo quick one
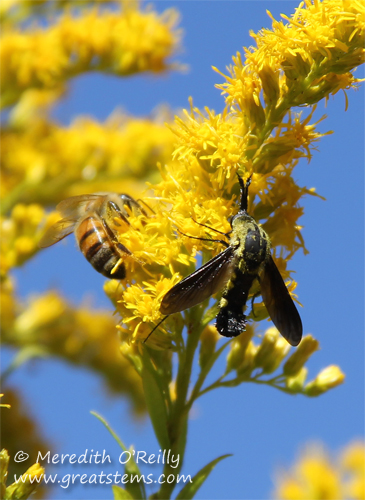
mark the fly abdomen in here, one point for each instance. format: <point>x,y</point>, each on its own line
<point>96,247</point>
<point>231,321</point>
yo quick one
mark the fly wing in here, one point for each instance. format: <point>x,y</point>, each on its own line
<point>57,232</point>
<point>199,285</point>
<point>279,304</point>
<point>75,205</point>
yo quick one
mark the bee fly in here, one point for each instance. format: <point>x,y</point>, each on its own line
<point>247,257</point>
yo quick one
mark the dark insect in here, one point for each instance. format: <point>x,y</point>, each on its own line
<point>93,218</point>
<point>247,257</point>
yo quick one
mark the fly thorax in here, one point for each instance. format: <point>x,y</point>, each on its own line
<point>252,243</point>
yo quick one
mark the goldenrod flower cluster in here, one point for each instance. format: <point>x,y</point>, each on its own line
<point>21,233</point>
<point>297,63</point>
<point>121,43</point>
<point>44,162</point>
<point>193,191</point>
<point>319,475</point>
<point>48,325</point>
<point>269,362</point>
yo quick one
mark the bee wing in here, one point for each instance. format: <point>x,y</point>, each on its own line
<point>71,207</point>
<point>199,285</point>
<point>279,304</point>
<point>57,232</point>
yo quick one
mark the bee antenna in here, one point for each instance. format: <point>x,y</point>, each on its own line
<point>244,192</point>
<point>155,328</point>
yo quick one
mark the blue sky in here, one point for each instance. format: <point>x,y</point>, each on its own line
<point>263,428</point>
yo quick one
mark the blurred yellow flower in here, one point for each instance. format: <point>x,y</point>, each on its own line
<point>20,233</point>
<point>48,324</point>
<point>122,43</point>
<point>329,377</point>
<point>45,163</point>
<point>319,476</point>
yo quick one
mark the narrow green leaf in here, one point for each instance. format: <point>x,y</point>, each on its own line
<point>190,489</point>
<point>120,494</point>
<point>107,426</point>
<point>135,489</point>
<point>23,356</point>
<point>155,401</point>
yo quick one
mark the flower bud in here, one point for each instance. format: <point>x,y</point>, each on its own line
<point>208,341</point>
<point>271,352</point>
<point>248,365</point>
<point>132,354</point>
<point>236,355</point>
<point>296,382</point>
<point>300,356</point>
<point>270,84</point>
<point>328,378</point>
<point>112,290</point>
<point>43,311</point>
<point>27,483</point>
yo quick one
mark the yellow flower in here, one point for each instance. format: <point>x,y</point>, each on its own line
<point>51,162</point>
<point>80,336</point>
<point>21,233</point>
<point>316,475</point>
<point>289,60</point>
<point>139,308</point>
<point>120,43</point>
<point>353,463</point>
<point>252,135</point>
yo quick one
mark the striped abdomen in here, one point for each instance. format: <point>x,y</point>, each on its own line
<point>98,248</point>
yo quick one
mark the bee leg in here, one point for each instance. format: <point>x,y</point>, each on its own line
<point>113,207</point>
<point>141,209</point>
<point>111,235</point>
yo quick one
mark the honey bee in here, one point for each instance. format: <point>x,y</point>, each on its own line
<point>94,218</point>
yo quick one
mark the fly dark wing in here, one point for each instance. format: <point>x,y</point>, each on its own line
<point>199,285</point>
<point>279,304</point>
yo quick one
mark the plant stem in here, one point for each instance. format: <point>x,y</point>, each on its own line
<point>178,420</point>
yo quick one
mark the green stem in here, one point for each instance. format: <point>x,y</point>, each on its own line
<point>203,375</point>
<point>178,420</point>
<point>237,381</point>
